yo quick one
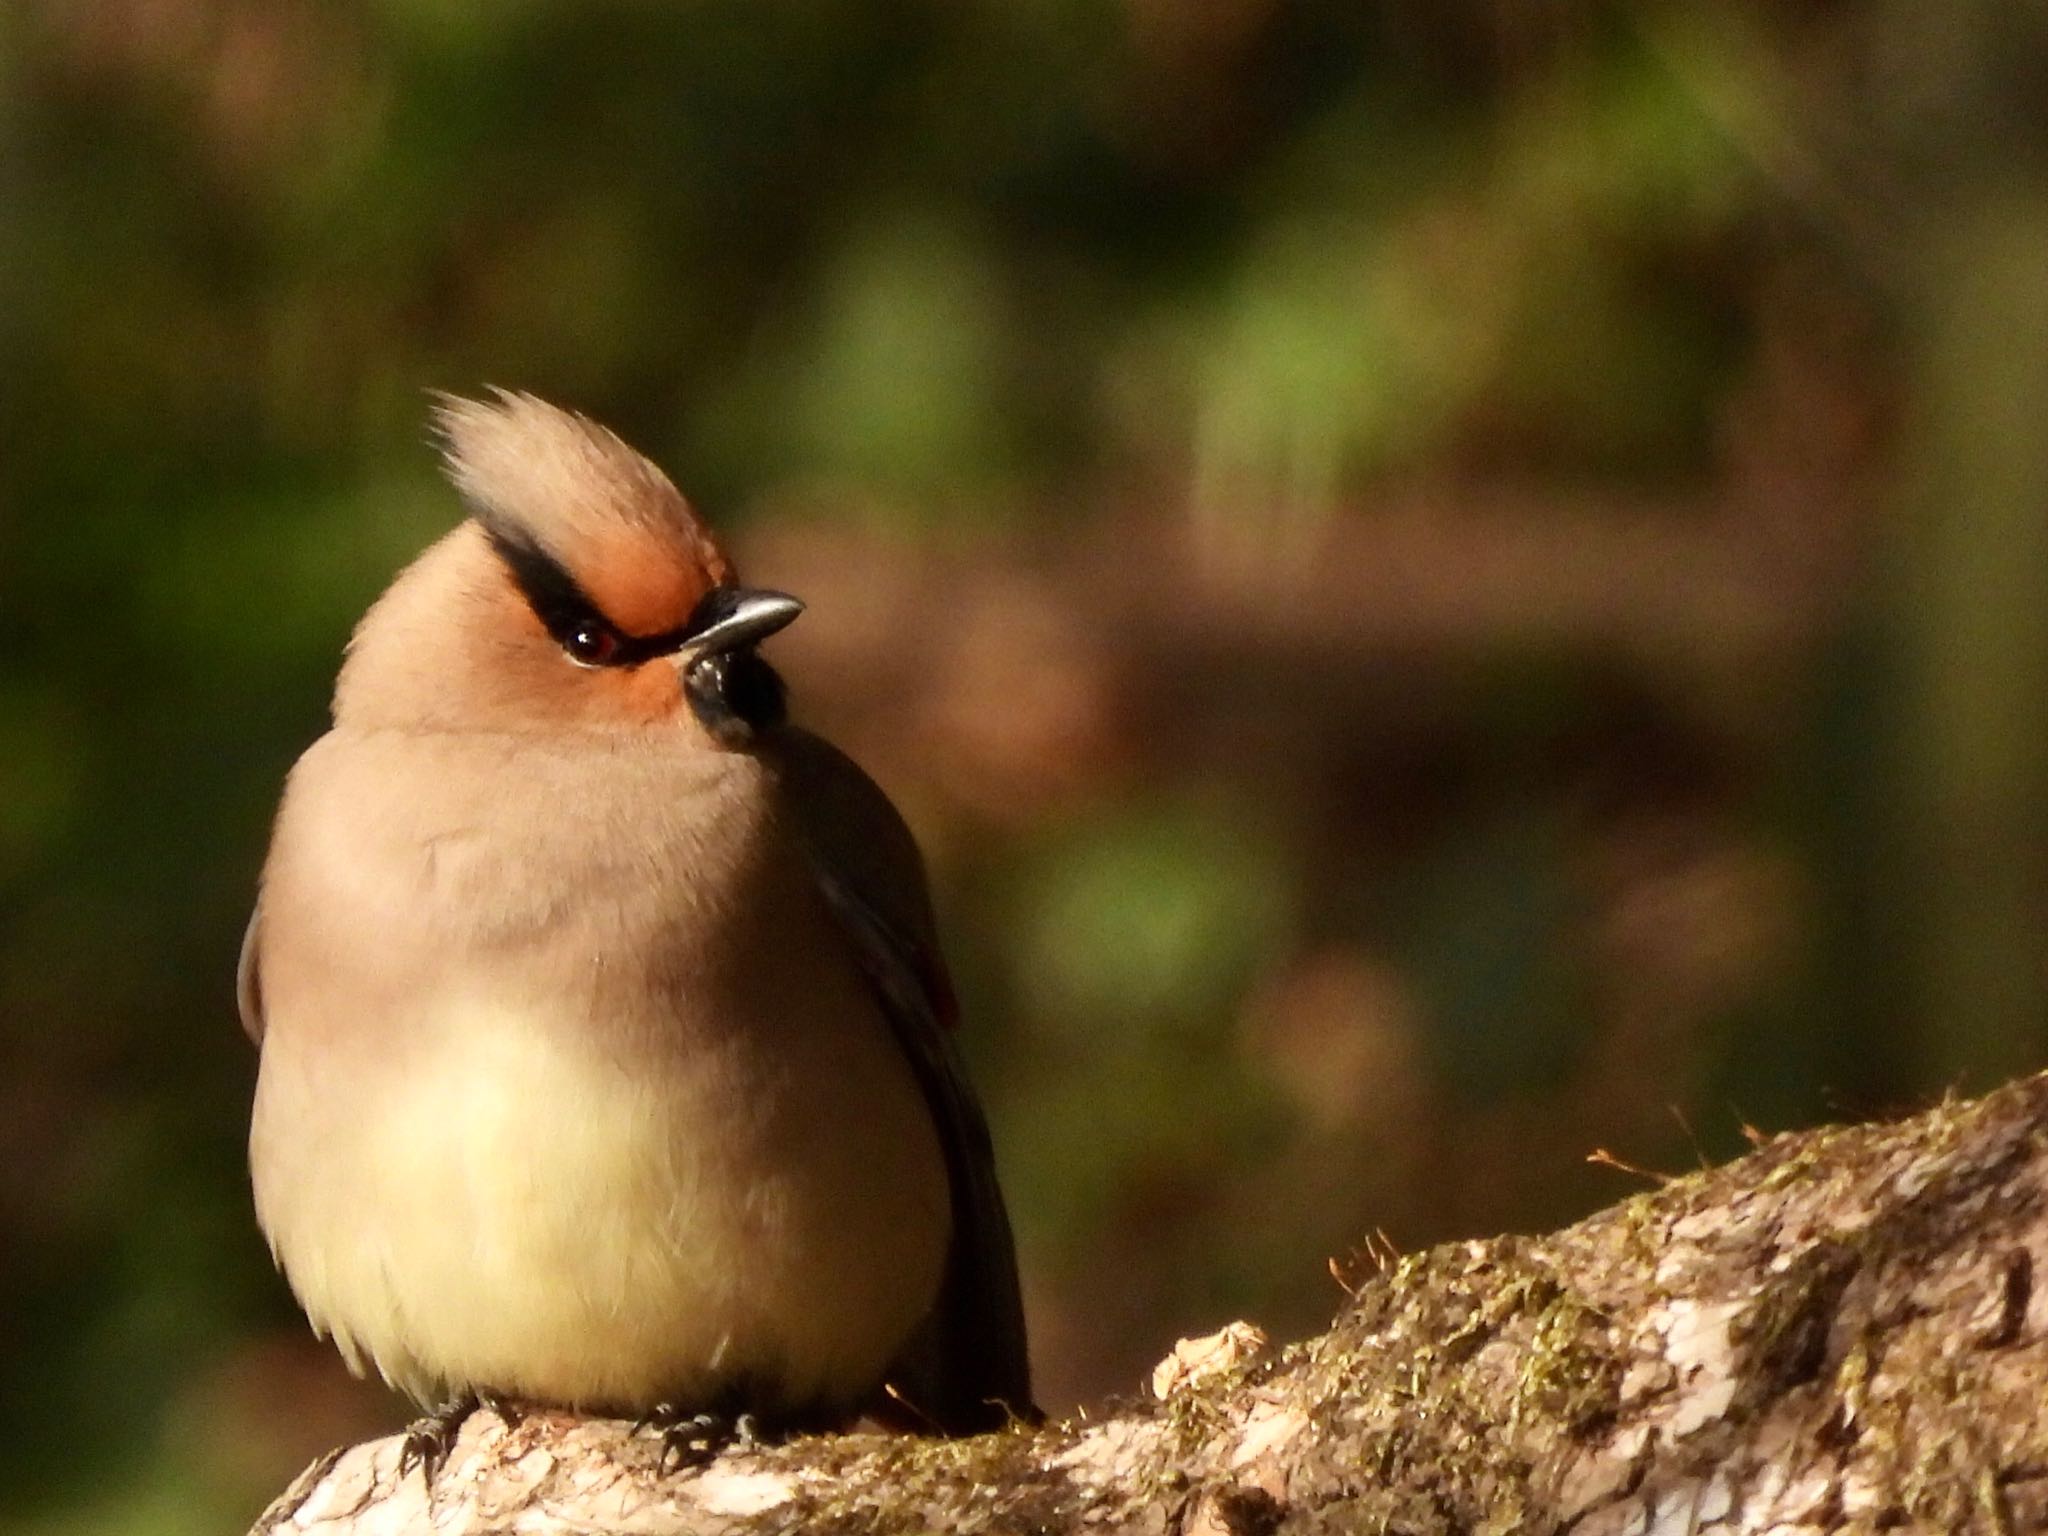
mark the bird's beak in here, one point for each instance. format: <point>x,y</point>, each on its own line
<point>732,618</point>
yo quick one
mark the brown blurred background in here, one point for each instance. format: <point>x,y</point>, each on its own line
<point>1448,583</point>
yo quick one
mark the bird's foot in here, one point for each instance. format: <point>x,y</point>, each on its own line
<point>692,1440</point>
<point>509,1409</point>
<point>428,1440</point>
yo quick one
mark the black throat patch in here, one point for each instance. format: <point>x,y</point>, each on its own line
<point>735,696</point>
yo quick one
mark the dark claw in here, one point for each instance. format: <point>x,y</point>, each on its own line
<point>657,1417</point>
<point>509,1409</point>
<point>694,1441</point>
<point>428,1440</point>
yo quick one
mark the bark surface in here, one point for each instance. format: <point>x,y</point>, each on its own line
<point>1841,1331</point>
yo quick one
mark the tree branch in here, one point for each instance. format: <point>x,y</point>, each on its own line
<point>1841,1331</point>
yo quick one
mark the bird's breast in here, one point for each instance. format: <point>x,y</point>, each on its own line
<point>570,1090</point>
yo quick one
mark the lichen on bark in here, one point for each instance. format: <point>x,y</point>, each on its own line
<point>1839,1332</point>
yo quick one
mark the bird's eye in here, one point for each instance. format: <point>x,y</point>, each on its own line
<point>591,644</point>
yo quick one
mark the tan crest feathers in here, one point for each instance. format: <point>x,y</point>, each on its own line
<point>557,477</point>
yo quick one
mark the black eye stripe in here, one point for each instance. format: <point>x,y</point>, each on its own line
<point>565,609</point>
<point>550,591</point>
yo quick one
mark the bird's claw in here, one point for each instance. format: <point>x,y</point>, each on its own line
<point>692,1441</point>
<point>509,1409</point>
<point>428,1440</point>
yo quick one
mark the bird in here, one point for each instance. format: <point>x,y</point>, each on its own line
<point>606,1051</point>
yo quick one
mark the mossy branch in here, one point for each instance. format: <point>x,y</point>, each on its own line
<point>1839,1332</point>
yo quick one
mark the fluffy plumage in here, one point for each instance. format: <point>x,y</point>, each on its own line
<point>574,486</point>
<point>604,1058</point>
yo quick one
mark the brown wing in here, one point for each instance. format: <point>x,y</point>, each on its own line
<point>969,1369</point>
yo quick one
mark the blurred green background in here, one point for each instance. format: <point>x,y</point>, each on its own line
<point>1449,583</point>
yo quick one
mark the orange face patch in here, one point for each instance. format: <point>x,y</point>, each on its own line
<point>644,582</point>
<point>646,694</point>
<point>536,682</point>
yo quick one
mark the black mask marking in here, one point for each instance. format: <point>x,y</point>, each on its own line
<point>566,611</point>
<point>734,694</point>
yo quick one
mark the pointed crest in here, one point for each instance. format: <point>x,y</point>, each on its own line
<point>552,477</point>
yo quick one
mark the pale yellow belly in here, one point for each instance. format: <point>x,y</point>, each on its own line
<point>498,1204</point>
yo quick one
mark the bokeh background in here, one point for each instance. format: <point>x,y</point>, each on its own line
<point>1450,585</point>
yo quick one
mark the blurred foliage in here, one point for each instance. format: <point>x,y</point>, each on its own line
<point>1446,584</point>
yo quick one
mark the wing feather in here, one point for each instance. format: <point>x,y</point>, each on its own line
<point>969,1370</point>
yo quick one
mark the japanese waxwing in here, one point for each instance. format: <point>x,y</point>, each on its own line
<point>605,1043</point>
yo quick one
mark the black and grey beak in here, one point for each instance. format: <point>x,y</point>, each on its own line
<point>730,688</point>
<point>728,619</point>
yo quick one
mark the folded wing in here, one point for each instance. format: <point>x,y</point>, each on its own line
<point>968,1369</point>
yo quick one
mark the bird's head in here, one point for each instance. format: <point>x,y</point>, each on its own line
<point>582,594</point>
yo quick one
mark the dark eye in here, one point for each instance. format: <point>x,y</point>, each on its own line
<point>591,644</point>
